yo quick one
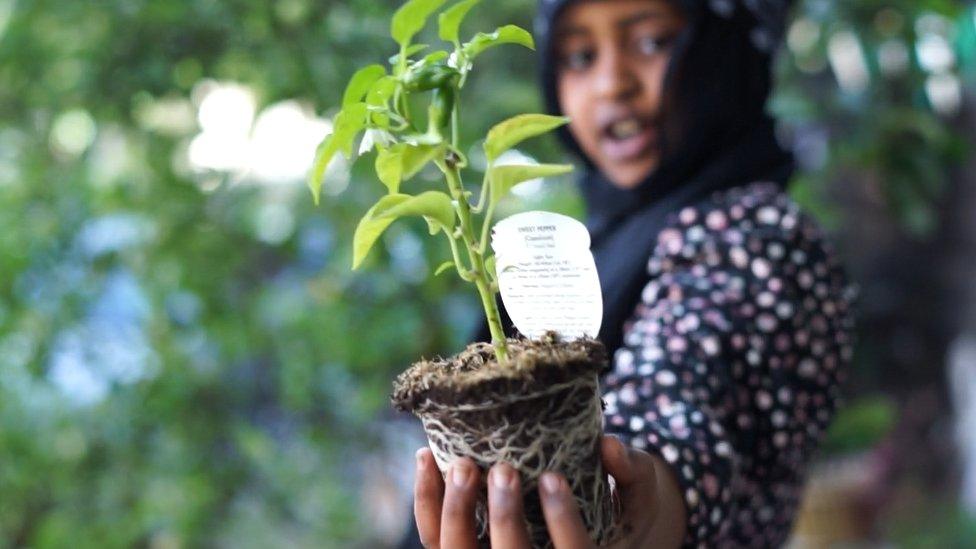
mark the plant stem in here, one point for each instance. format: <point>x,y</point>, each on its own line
<point>483,195</point>
<point>485,227</point>
<point>462,271</point>
<point>478,270</point>
<point>455,115</point>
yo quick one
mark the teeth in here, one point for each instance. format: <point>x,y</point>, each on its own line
<point>625,128</point>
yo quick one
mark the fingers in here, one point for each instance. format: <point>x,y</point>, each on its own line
<point>563,518</point>
<point>457,520</point>
<point>634,473</point>
<point>428,499</point>
<point>505,513</point>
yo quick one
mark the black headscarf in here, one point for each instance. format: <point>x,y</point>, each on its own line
<point>715,136</point>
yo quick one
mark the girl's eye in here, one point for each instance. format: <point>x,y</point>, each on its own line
<point>578,60</point>
<point>650,45</point>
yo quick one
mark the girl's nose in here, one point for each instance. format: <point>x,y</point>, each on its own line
<point>615,79</point>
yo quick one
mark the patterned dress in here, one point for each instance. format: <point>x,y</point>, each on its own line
<point>731,366</point>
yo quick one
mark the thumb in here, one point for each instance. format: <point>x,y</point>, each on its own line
<point>634,474</point>
<point>617,461</point>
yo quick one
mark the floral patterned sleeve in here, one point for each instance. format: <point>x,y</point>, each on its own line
<point>731,366</point>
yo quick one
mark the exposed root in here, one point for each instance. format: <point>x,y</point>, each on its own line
<point>544,413</point>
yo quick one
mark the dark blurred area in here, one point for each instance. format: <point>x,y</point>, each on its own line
<point>186,358</point>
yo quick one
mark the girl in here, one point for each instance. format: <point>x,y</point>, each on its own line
<point>726,313</point>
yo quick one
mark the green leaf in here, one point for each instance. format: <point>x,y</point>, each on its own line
<point>370,228</point>
<point>449,22</point>
<point>443,267</point>
<point>323,155</point>
<point>347,124</point>
<point>378,97</point>
<point>380,119</point>
<point>433,226</point>
<point>395,60</point>
<point>433,204</point>
<point>389,167</point>
<point>509,34</point>
<point>361,83</point>
<point>411,18</point>
<point>503,178</point>
<point>434,57</point>
<point>381,91</point>
<point>402,161</point>
<point>507,134</point>
<point>415,158</point>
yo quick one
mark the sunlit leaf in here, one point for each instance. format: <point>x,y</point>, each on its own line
<point>347,124</point>
<point>403,161</point>
<point>389,167</point>
<point>381,91</point>
<point>416,157</point>
<point>434,57</point>
<point>509,34</point>
<point>380,119</point>
<point>433,226</point>
<point>378,97</point>
<point>411,18</point>
<point>449,22</point>
<point>431,204</point>
<point>503,178</point>
<point>323,155</point>
<point>507,134</point>
<point>370,227</point>
<point>361,82</point>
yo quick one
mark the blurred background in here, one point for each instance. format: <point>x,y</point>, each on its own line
<point>187,360</point>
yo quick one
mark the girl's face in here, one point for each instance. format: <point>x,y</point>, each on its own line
<point>612,56</point>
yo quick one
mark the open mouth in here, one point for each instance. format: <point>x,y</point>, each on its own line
<point>628,138</point>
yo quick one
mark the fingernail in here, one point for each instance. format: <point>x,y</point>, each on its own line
<point>501,477</point>
<point>460,474</point>
<point>549,483</point>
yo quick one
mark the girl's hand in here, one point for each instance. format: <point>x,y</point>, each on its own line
<point>445,515</point>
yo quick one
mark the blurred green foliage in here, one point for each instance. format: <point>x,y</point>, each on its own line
<point>865,89</point>
<point>185,357</point>
<point>860,425</point>
<point>171,373</point>
<point>940,526</point>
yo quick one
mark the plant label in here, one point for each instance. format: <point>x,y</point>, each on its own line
<point>546,275</point>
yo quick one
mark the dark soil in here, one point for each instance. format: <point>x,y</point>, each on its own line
<point>474,372</point>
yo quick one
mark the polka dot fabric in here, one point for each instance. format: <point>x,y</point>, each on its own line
<point>731,365</point>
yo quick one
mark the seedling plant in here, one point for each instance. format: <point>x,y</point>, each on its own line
<point>377,104</point>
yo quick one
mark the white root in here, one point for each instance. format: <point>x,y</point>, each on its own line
<point>556,428</point>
